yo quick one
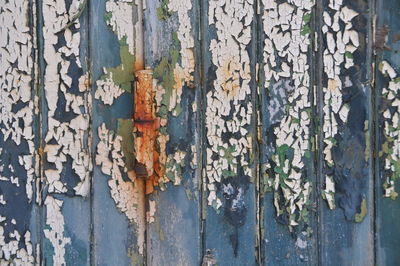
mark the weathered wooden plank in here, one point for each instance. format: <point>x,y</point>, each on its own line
<point>65,112</point>
<point>228,54</point>
<point>287,133</point>
<point>344,101</point>
<point>387,69</point>
<point>18,67</point>
<point>173,229</point>
<point>118,228</point>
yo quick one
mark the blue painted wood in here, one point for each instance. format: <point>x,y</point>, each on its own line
<point>280,244</point>
<point>185,230</point>
<point>174,236</point>
<point>229,232</point>
<point>387,48</point>
<point>75,208</point>
<point>114,237</point>
<point>19,215</point>
<point>342,241</point>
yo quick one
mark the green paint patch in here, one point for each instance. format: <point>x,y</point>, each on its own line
<point>163,12</point>
<point>307,18</point>
<point>189,193</point>
<point>305,30</point>
<point>125,130</point>
<point>136,258</point>
<point>123,74</point>
<point>359,217</point>
<point>164,73</point>
<point>348,55</point>
<point>108,16</point>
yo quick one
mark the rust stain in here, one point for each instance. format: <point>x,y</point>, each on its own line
<point>146,130</point>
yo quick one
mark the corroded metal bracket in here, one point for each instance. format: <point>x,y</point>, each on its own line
<point>145,129</point>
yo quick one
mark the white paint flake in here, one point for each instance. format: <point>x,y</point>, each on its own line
<point>121,19</point>
<point>67,137</point>
<point>107,91</point>
<point>229,108</point>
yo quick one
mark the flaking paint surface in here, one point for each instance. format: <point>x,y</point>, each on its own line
<point>390,116</point>
<point>68,100</point>
<point>229,109</point>
<point>287,80</point>
<point>17,150</point>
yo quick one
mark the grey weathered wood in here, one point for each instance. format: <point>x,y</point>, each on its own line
<point>346,233</point>
<point>387,48</point>
<point>173,238</point>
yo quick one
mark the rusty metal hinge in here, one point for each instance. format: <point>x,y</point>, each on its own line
<point>146,127</point>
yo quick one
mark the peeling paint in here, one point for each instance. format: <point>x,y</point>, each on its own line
<point>17,152</point>
<point>54,229</point>
<point>173,74</point>
<point>229,108</point>
<point>390,117</point>
<point>341,41</point>
<point>286,55</point>
<point>67,136</point>
<point>127,195</point>
<point>116,80</point>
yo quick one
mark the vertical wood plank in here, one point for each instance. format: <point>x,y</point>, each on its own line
<point>228,41</point>
<point>387,69</point>
<point>117,234</point>
<point>18,133</point>
<point>65,111</point>
<point>287,133</point>
<point>173,229</point>
<point>344,99</point>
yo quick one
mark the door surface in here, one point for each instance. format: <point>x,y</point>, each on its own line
<point>199,132</point>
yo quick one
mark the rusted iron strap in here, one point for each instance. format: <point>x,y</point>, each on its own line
<point>145,126</point>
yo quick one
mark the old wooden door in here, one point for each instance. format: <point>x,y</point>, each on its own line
<point>266,132</point>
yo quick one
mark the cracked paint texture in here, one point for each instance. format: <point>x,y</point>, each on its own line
<point>17,150</point>
<point>54,230</point>
<point>229,109</point>
<point>390,116</point>
<point>110,157</point>
<point>345,130</point>
<point>287,82</point>
<point>67,138</point>
<point>116,80</point>
<point>341,41</point>
<point>174,77</point>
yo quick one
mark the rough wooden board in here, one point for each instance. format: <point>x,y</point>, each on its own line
<point>173,231</point>
<point>114,237</point>
<point>387,210</point>
<point>230,204</point>
<point>342,240</point>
